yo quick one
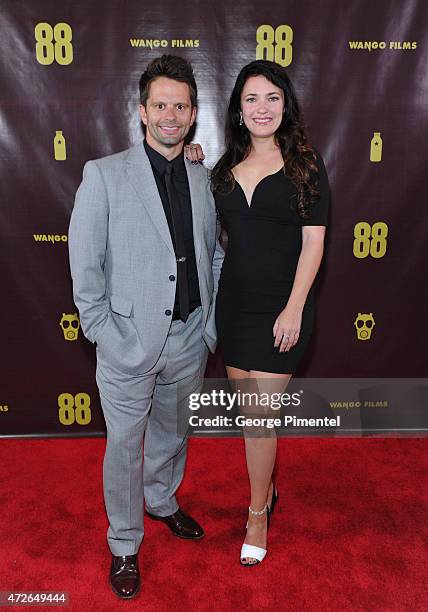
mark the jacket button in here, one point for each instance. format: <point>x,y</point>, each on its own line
<point>168,313</point>
<point>172,277</point>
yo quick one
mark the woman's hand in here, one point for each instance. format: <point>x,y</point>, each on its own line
<point>286,329</point>
<point>194,152</point>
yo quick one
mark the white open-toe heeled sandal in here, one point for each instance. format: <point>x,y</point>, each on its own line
<point>252,552</point>
<point>248,551</point>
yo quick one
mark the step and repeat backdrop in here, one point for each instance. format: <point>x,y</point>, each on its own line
<point>69,93</point>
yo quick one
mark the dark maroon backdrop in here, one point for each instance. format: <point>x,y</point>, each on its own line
<point>359,67</point>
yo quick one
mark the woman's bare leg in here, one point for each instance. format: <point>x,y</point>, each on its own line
<point>260,450</point>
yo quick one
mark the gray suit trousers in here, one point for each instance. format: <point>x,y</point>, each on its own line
<point>148,410</point>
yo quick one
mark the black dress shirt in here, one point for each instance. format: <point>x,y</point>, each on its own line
<point>181,184</point>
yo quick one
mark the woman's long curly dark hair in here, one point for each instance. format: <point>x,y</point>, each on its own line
<point>299,156</point>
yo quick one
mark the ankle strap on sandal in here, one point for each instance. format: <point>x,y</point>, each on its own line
<point>258,512</point>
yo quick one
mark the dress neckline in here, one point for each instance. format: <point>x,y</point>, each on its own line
<point>249,205</point>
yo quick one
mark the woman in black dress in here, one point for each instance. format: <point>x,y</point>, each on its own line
<point>272,195</point>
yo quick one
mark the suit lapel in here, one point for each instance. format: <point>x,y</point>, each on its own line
<point>140,174</point>
<point>197,198</point>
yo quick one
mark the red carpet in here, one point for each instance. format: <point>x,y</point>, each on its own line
<point>350,531</point>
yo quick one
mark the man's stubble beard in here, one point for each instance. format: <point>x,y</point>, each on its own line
<point>167,142</point>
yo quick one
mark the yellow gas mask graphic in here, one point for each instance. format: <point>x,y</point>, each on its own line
<point>70,325</point>
<point>364,325</point>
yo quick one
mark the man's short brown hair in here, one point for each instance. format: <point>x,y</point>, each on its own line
<point>172,67</point>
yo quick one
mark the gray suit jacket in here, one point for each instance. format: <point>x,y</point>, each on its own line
<point>121,258</point>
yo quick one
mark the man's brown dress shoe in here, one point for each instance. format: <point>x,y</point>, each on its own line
<point>181,525</point>
<point>125,576</point>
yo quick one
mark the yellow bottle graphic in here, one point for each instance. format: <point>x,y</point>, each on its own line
<point>376,147</point>
<point>59,146</point>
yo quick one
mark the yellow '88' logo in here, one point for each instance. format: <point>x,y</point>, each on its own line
<point>275,44</point>
<point>61,50</point>
<point>74,409</point>
<point>370,239</point>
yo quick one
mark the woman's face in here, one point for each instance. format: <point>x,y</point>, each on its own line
<point>262,105</point>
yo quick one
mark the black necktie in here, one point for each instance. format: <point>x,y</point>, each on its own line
<point>180,247</point>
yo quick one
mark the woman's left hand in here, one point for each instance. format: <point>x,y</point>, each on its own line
<point>286,329</point>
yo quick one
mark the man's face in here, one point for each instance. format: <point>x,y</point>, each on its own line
<point>168,114</point>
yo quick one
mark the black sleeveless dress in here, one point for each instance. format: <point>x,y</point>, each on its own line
<point>263,248</point>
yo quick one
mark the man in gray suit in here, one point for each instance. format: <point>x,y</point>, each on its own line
<point>145,262</point>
